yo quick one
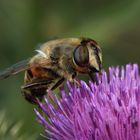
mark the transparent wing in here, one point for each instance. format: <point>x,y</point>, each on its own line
<point>14,69</point>
<point>25,65</point>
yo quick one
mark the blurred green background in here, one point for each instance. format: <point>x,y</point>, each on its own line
<point>24,24</point>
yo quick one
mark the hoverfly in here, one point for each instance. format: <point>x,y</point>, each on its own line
<point>55,61</point>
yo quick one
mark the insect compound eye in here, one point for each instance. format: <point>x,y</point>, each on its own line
<point>81,56</point>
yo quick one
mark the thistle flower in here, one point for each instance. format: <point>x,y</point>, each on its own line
<point>107,111</point>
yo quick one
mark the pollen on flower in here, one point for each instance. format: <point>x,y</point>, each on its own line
<point>107,111</point>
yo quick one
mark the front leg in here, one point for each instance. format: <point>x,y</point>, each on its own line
<point>94,78</point>
<point>57,84</point>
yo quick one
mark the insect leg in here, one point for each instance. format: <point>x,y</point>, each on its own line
<point>93,77</point>
<point>58,83</point>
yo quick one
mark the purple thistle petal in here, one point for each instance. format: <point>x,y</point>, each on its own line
<point>108,111</point>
